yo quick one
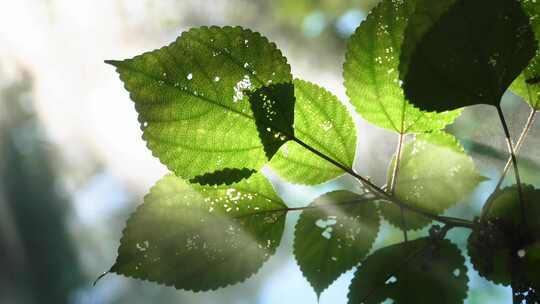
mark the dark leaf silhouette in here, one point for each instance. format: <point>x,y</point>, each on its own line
<point>420,271</point>
<point>470,55</point>
<point>503,246</point>
<point>226,176</point>
<point>273,110</point>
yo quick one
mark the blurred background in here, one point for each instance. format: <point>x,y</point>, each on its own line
<point>73,165</point>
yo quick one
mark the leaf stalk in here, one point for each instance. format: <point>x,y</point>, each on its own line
<point>512,152</point>
<point>457,222</point>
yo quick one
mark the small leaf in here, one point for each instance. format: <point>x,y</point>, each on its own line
<point>527,85</point>
<point>495,247</point>
<point>192,103</point>
<point>199,238</point>
<point>470,54</point>
<point>226,176</point>
<point>371,73</point>
<point>420,271</point>
<point>324,123</point>
<point>334,236</point>
<point>434,174</point>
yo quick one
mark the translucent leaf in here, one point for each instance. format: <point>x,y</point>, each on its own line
<point>334,237</point>
<point>225,176</point>
<point>192,103</point>
<point>502,246</point>
<point>470,54</point>
<point>420,271</point>
<point>434,174</point>
<point>527,85</point>
<point>324,123</point>
<point>197,237</point>
<point>371,72</point>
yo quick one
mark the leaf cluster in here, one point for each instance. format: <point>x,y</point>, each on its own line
<point>220,103</point>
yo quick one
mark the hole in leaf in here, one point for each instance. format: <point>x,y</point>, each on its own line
<point>391,280</point>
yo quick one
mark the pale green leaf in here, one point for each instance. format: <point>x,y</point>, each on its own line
<point>197,237</point>
<point>324,123</point>
<point>334,236</point>
<point>423,271</point>
<point>371,72</point>
<point>434,174</point>
<point>530,92</point>
<point>192,103</point>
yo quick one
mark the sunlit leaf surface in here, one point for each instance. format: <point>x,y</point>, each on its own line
<point>502,245</point>
<point>324,123</point>
<point>192,102</point>
<point>470,55</point>
<point>434,174</point>
<point>372,76</point>
<point>420,271</point>
<point>197,237</point>
<point>334,237</point>
<point>527,85</point>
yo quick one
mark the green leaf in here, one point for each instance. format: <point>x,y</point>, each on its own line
<point>434,174</point>
<point>273,109</point>
<point>470,55</point>
<point>192,103</point>
<point>494,247</point>
<point>334,236</point>
<point>530,92</point>
<point>371,73</point>
<point>531,262</point>
<point>420,271</point>
<point>324,123</point>
<point>199,238</point>
<point>424,14</point>
<point>226,176</point>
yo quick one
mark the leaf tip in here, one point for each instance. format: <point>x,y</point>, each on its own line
<point>100,277</point>
<point>114,63</point>
<point>318,292</point>
<point>482,178</point>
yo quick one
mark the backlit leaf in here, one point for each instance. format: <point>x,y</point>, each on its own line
<point>192,103</point>
<point>434,174</point>
<point>324,123</point>
<point>527,85</point>
<point>371,72</point>
<point>334,237</point>
<point>197,237</point>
